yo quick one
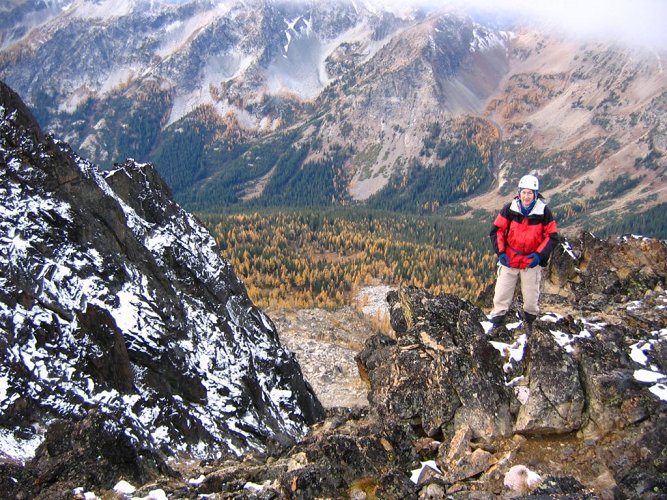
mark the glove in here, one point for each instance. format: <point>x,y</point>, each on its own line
<point>534,259</point>
<point>502,258</point>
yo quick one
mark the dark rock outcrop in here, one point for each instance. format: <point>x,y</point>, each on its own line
<point>113,300</point>
<point>562,405</point>
<point>441,370</point>
<point>556,401</point>
<point>621,275</point>
<point>556,411</point>
<point>575,373</point>
<point>91,451</point>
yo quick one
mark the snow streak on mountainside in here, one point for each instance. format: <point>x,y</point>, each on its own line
<point>19,17</point>
<point>194,45</point>
<point>114,298</point>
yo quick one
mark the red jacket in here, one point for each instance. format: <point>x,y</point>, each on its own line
<point>519,235</point>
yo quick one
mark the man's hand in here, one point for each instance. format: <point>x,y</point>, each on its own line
<point>502,258</point>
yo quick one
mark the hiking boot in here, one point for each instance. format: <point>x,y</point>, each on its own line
<point>497,321</point>
<point>529,318</point>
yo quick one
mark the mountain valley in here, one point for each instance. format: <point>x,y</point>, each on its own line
<point>314,104</point>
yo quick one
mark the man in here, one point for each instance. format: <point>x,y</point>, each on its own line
<point>523,236</point>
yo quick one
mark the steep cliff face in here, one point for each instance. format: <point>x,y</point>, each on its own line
<point>114,300</point>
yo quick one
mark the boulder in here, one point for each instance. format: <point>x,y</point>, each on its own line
<point>468,465</point>
<point>615,399</point>
<point>370,456</point>
<point>440,372</point>
<point>555,399</point>
<point>605,275</point>
<point>91,453</point>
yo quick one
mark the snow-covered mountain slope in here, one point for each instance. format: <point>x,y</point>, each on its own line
<point>19,17</point>
<point>114,298</point>
<point>192,46</point>
<point>238,57</point>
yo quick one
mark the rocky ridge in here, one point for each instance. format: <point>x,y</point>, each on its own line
<point>124,335</point>
<point>576,408</point>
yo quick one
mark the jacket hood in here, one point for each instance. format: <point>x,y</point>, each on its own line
<point>538,208</point>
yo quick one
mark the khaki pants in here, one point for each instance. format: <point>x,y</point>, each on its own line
<point>506,283</point>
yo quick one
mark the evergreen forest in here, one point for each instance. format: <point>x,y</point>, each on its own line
<point>319,258</point>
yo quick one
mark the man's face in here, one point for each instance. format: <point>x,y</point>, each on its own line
<point>527,196</point>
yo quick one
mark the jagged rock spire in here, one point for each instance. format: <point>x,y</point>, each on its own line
<point>115,300</point>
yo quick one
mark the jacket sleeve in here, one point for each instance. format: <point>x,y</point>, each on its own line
<point>499,231</point>
<point>549,237</point>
